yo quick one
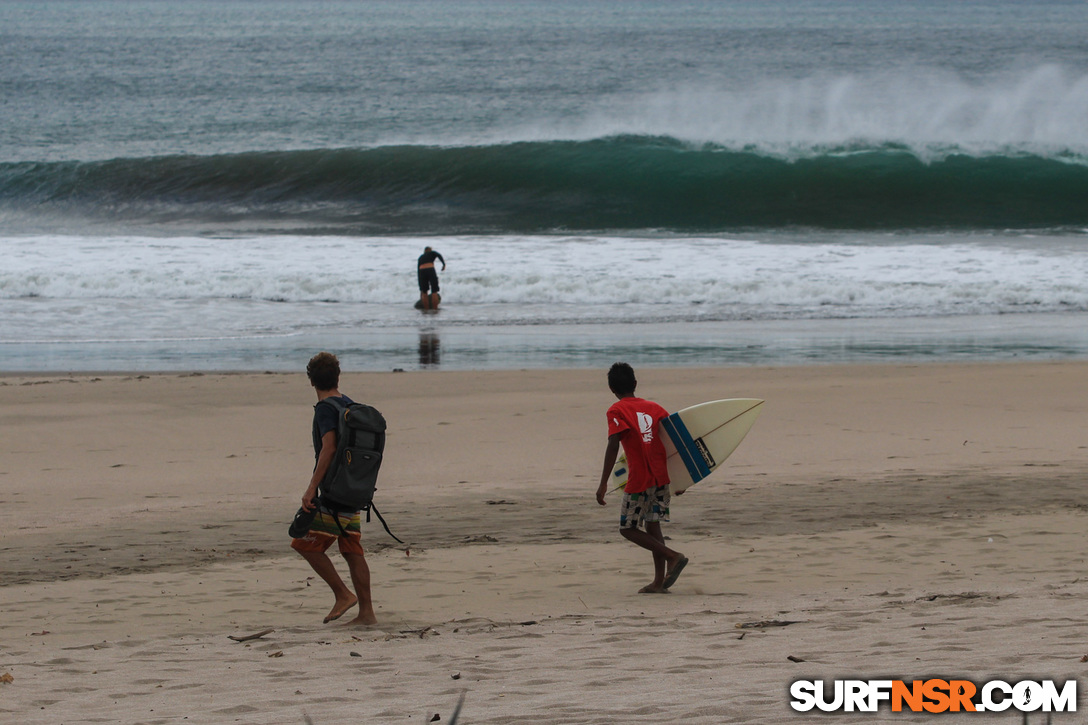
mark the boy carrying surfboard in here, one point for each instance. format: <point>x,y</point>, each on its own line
<point>634,424</point>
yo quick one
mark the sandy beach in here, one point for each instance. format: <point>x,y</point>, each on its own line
<point>880,521</point>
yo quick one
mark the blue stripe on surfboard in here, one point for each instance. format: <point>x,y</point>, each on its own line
<point>685,446</point>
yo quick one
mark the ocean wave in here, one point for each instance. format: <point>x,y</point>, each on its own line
<point>1037,109</point>
<point>617,183</point>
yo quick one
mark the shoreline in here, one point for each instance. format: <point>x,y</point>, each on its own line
<point>909,520</point>
<point>41,377</point>
<point>445,342</point>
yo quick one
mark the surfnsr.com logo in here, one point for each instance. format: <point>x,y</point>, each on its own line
<point>934,696</point>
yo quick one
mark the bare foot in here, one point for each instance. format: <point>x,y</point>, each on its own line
<point>674,571</point>
<point>340,608</point>
<point>653,589</point>
<point>363,620</point>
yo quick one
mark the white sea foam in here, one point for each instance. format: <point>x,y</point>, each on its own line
<point>1040,110</point>
<point>87,288</point>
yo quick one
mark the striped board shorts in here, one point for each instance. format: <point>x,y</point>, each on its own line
<point>651,505</point>
<point>324,531</point>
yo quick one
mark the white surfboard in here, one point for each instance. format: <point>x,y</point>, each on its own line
<point>698,439</point>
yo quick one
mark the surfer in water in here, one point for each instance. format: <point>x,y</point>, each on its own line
<point>428,279</point>
<point>633,423</point>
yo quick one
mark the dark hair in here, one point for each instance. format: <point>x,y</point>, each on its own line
<point>621,379</point>
<point>324,371</point>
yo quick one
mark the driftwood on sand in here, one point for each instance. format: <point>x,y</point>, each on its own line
<point>248,637</point>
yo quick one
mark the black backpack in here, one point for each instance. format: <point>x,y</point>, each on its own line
<point>353,475</point>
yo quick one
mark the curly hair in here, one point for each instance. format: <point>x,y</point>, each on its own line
<point>324,371</point>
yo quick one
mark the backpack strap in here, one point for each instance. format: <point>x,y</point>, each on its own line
<point>337,404</point>
<point>384,525</point>
<point>371,507</point>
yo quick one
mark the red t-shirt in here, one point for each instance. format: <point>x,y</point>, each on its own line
<point>637,421</point>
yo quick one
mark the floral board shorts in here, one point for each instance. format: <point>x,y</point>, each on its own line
<point>324,531</point>
<point>651,505</point>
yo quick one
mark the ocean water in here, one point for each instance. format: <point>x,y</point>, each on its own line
<point>233,185</point>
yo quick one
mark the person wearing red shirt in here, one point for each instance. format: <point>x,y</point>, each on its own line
<point>634,424</point>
